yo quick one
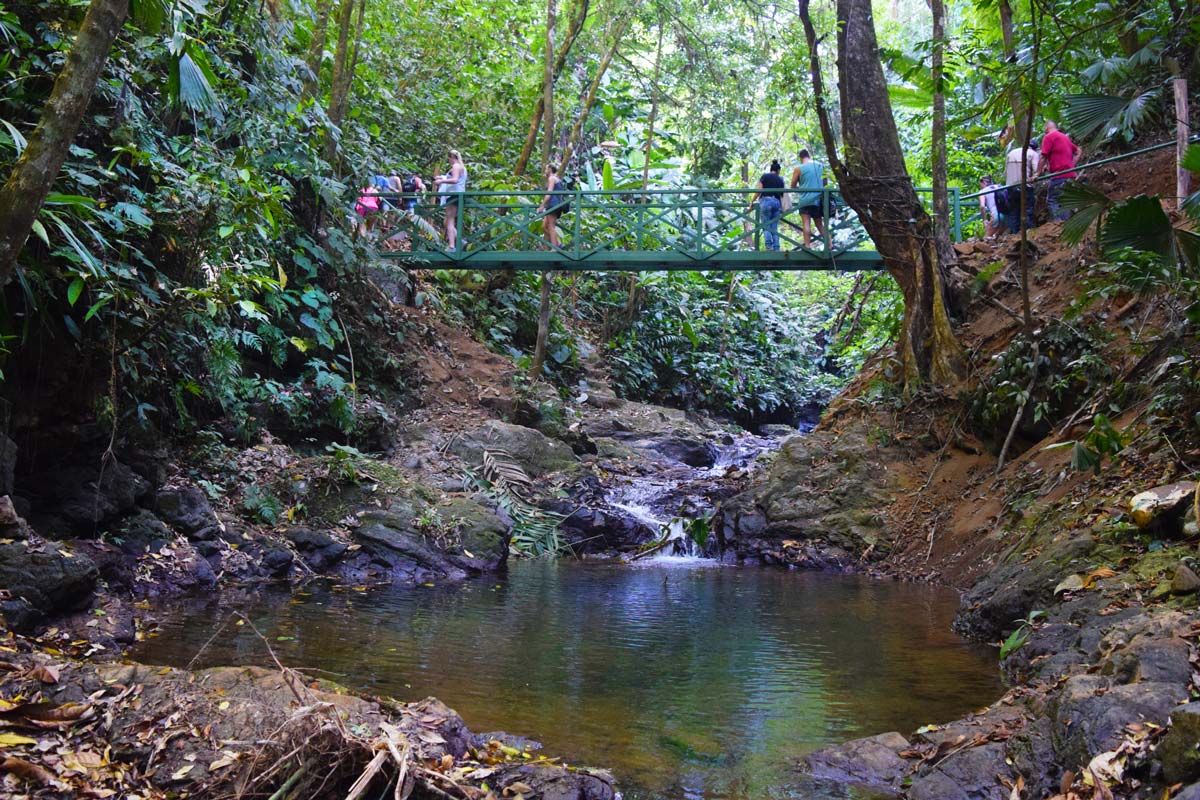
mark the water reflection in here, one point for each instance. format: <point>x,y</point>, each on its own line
<point>687,682</point>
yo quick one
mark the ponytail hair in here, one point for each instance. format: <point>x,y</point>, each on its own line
<point>775,165</point>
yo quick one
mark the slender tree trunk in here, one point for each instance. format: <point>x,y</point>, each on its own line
<point>1028,101</point>
<point>653,109</point>
<point>316,48</point>
<point>874,181</point>
<point>1010,56</point>
<point>548,88</point>
<point>941,192</point>
<point>346,92</point>
<point>589,100</point>
<point>543,329</point>
<point>560,61</point>
<point>338,84</point>
<point>34,174</point>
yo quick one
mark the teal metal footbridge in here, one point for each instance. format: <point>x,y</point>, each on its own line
<point>630,230</point>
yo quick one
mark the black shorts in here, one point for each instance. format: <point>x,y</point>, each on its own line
<point>559,210</point>
<point>813,212</point>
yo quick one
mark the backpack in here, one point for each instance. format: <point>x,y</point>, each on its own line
<point>1002,200</point>
<point>569,182</point>
<point>408,185</point>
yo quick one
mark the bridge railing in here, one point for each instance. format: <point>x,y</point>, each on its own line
<point>698,223</point>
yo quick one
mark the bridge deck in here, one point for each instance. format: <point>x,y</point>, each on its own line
<point>661,229</point>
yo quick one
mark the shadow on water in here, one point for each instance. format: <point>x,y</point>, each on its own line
<point>687,681</point>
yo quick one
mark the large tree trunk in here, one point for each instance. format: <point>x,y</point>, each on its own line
<point>873,179</point>
<point>560,61</point>
<point>589,101</point>
<point>34,174</point>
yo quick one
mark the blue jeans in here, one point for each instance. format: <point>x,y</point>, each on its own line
<point>1012,219</point>
<point>1052,195</point>
<point>771,212</point>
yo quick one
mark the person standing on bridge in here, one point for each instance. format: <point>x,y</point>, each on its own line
<point>808,176</point>
<point>553,206</point>
<point>450,186</point>
<point>770,204</point>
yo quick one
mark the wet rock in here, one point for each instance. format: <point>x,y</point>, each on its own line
<point>390,541</point>
<point>187,509</point>
<point>482,537</point>
<point>1185,581</point>
<point>776,431</point>
<point>532,450</point>
<point>874,762</point>
<point>48,576</point>
<point>1180,748</point>
<point>1162,507</point>
<point>970,774</point>
<point>1090,714</point>
<point>12,526</point>
<point>141,532</point>
<point>276,560</point>
<point>692,452</point>
<point>318,549</point>
<point>1017,586</point>
<point>554,783</point>
<point>8,463</point>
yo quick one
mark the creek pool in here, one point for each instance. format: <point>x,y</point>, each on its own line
<point>686,679</point>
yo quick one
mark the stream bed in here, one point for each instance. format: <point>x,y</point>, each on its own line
<point>686,678</point>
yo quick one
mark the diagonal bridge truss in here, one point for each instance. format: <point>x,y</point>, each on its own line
<point>629,230</point>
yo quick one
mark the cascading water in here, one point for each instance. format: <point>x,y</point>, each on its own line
<point>663,504</point>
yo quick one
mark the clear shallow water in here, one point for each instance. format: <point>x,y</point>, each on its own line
<point>686,681</point>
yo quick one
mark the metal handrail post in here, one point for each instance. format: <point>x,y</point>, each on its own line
<point>576,235</point>
<point>700,223</point>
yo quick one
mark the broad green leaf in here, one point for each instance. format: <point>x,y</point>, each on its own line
<point>74,290</point>
<point>1138,223</point>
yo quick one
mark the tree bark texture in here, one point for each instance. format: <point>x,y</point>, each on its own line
<point>941,192</point>
<point>1008,38</point>
<point>548,89</point>
<point>33,175</point>
<point>341,58</point>
<point>560,61</point>
<point>653,109</point>
<point>873,180</point>
<point>1183,178</point>
<point>316,47</point>
<point>543,329</point>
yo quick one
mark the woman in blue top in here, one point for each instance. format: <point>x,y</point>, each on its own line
<point>770,190</point>
<point>808,176</point>
<point>449,185</point>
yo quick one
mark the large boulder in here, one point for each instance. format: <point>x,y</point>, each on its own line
<point>186,508</point>
<point>81,497</point>
<point>532,450</point>
<point>318,549</point>
<point>43,577</point>
<point>1163,507</point>
<point>393,543</point>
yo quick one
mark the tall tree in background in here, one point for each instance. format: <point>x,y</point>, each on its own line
<point>873,179</point>
<point>560,61</point>
<point>543,328</point>
<point>941,193</point>
<point>34,174</point>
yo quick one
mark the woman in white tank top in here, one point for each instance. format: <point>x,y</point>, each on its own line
<point>449,185</point>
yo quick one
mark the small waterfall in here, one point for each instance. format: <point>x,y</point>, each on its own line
<point>658,504</point>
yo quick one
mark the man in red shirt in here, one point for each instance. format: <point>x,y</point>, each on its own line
<point>1058,155</point>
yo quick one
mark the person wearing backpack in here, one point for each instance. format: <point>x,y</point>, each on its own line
<point>553,205</point>
<point>411,187</point>
<point>993,206</point>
